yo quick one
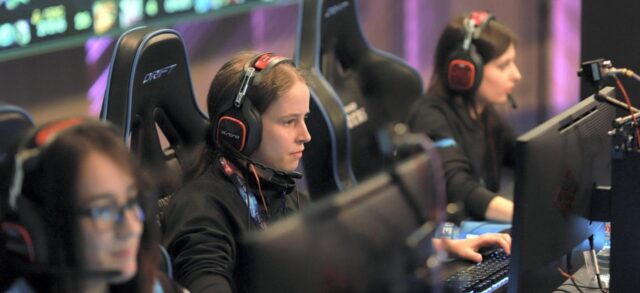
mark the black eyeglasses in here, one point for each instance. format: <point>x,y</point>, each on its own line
<point>106,216</point>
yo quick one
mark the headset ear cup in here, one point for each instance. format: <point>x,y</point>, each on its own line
<point>464,71</point>
<point>26,237</point>
<point>460,72</point>
<point>231,130</point>
<point>31,219</point>
<point>254,122</point>
<point>240,129</point>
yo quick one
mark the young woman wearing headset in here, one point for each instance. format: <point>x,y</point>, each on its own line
<point>474,70</point>
<point>257,107</point>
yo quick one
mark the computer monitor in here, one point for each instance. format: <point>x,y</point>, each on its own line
<point>558,165</point>
<point>354,241</point>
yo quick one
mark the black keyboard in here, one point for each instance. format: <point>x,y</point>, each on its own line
<point>487,276</point>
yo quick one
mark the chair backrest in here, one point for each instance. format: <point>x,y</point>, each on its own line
<point>150,88</point>
<point>14,123</point>
<point>356,90</point>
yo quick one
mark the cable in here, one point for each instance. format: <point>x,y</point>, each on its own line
<point>569,276</point>
<point>626,72</point>
<point>264,202</point>
<point>569,269</point>
<point>605,98</point>
<point>633,117</point>
<point>595,260</point>
<point>574,283</point>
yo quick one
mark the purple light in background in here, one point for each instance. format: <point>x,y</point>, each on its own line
<point>193,34</point>
<point>412,15</point>
<point>96,93</point>
<point>422,23</point>
<point>95,48</point>
<point>258,30</point>
<point>565,54</point>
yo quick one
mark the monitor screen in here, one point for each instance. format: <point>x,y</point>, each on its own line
<point>558,165</point>
<point>354,241</point>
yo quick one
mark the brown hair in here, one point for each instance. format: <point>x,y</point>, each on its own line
<point>226,84</point>
<point>493,41</point>
<point>51,184</point>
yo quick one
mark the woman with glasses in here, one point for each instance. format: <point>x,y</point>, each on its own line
<point>79,203</point>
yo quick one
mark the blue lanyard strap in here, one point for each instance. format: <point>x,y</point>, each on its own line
<point>248,197</point>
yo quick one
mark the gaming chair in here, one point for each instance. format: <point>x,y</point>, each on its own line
<point>14,123</point>
<point>150,88</point>
<point>356,90</point>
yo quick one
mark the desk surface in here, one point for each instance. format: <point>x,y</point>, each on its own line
<point>586,281</point>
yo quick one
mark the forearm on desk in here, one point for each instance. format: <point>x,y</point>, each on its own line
<point>499,209</point>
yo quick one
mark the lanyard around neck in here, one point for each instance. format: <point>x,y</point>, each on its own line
<point>248,197</point>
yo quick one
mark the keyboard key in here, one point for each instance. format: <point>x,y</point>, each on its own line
<point>483,276</point>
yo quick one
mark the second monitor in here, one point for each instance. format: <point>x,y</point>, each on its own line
<point>558,166</point>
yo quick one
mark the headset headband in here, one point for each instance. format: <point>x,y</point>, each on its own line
<point>473,24</point>
<point>41,138</point>
<point>254,70</point>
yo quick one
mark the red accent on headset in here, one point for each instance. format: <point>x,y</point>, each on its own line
<point>24,234</point>
<point>264,60</point>
<point>478,17</point>
<point>461,74</point>
<point>51,130</point>
<point>234,120</point>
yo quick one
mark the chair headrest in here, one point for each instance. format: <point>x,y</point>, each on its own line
<point>327,26</point>
<point>370,87</point>
<point>341,30</point>
<point>150,84</point>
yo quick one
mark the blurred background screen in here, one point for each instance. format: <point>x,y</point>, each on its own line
<point>32,27</point>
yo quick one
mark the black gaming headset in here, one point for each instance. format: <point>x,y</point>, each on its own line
<point>239,124</point>
<point>464,65</point>
<point>25,232</point>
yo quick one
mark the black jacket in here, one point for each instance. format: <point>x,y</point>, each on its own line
<point>472,151</point>
<point>203,224</point>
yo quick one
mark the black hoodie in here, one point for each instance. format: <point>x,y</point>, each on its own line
<point>472,151</point>
<point>204,222</point>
